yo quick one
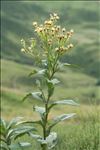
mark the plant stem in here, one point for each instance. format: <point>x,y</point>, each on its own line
<point>45,134</point>
<point>44,147</point>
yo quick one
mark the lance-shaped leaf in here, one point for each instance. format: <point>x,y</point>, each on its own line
<point>65,102</point>
<point>50,141</point>
<point>61,65</point>
<point>14,146</point>
<point>18,132</point>
<point>2,140</point>
<point>30,122</point>
<point>44,62</point>
<point>71,65</point>
<point>34,95</point>
<point>41,72</point>
<point>33,72</point>
<point>40,110</point>
<point>37,95</point>
<point>24,144</point>
<point>60,118</point>
<point>19,145</point>
<point>3,147</point>
<point>50,88</point>
<point>50,84</point>
<point>35,136</point>
<point>2,126</point>
<point>13,122</point>
<point>53,81</point>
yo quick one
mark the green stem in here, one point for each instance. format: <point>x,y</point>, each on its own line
<point>46,119</point>
<point>50,76</point>
<point>44,147</point>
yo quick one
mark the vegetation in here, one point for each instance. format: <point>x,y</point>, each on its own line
<point>82,84</point>
<point>86,24</point>
<point>11,131</point>
<point>51,44</point>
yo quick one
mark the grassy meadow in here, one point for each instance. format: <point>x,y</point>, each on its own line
<point>80,84</point>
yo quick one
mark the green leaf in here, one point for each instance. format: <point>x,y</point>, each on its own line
<point>2,126</point>
<point>55,81</point>
<point>32,122</point>
<point>40,110</point>
<point>2,140</point>
<point>22,131</point>
<point>38,83</point>
<point>33,72</point>
<point>63,117</point>
<point>10,135</point>
<point>34,95</point>
<point>60,118</point>
<point>19,145</point>
<point>13,122</point>
<point>50,141</point>
<point>44,62</point>
<point>50,87</point>
<point>24,144</point>
<point>37,95</point>
<point>68,102</point>
<point>3,147</point>
<point>61,65</point>
<point>71,65</point>
<point>65,102</point>
<point>17,132</point>
<point>14,146</point>
<point>41,72</point>
<point>27,96</point>
<point>50,84</point>
<point>35,136</point>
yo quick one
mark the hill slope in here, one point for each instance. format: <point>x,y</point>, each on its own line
<point>16,21</point>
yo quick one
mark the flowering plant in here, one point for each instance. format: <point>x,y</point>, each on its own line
<point>51,43</point>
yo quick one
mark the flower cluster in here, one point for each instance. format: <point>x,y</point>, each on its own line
<point>53,38</point>
<point>54,34</point>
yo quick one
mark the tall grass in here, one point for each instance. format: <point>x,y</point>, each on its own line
<point>80,133</point>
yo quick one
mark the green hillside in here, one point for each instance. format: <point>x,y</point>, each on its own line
<point>82,84</point>
<point>16,83</point>
<point>17,18</point>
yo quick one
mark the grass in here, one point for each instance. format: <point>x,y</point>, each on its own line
<point>69,137</point>
<point>78,133</point>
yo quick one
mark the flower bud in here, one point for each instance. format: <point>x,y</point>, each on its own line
<point>35,24</point>
<point>22,50</point>
<point>63,29</point>
<point>56,49</point>
<point>52,29</point>
<point>55,15</point>
<point>48,22</point>
<point>49,42</point>
<point>71,31</point>
<point>29,48</point>
<point>70,46</point>
<point>68,33</point>
<point>58,27</point>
